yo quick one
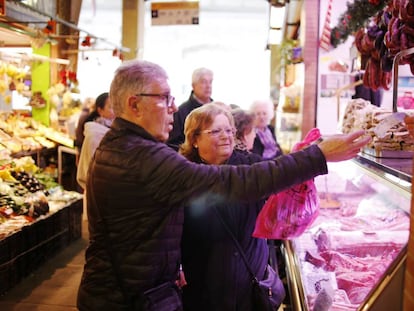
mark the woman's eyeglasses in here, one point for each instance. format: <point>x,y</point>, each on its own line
<point>218,132</point>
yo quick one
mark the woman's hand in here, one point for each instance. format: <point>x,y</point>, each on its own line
<point>343,147</point>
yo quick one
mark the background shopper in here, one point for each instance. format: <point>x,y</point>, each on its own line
<point>201,83</point>
<point>87,108</point>
<point>96,126</point>
<point>265,143</point>
<point>245,132</point>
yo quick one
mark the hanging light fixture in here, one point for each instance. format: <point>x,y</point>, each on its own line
<point>276,21</point>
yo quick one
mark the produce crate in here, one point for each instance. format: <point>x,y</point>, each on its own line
<point>4,251</point>
<point>26,250</point>
<point>11,249</point>
<point>75,220</point>
<point>16,244</point>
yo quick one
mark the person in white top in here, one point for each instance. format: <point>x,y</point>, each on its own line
<point>96,126</point>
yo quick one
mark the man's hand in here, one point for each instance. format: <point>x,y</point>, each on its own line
<point>343,147</point>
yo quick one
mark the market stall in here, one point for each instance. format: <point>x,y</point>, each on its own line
<point>353,257</point>
<point>38,218</point>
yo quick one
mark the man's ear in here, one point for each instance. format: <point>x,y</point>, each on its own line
<point>133,103</point>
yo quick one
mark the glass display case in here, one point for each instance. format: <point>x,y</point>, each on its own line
<point>353,256</point>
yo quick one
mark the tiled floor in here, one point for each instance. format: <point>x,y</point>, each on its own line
<point>52,287</point>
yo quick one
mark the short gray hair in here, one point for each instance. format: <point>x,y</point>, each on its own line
<point>199,73</point>
<point>130,78</point>
<point>263,102</point>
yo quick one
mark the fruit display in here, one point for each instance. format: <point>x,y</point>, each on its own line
<point>23,134</point>
<point>21,198</point>
<point>28,181</point>
<point>24,189</point>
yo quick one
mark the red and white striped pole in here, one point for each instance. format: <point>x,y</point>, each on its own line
<point>325,42</point>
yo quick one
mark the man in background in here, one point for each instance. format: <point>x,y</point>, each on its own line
<point>202,81</point>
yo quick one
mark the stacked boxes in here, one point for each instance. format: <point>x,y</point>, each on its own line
<point>23,251</point>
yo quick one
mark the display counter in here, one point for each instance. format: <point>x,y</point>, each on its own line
<point>353,256</point>
<point>25,245</point>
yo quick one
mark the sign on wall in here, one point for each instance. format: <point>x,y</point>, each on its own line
<point>175,13</point>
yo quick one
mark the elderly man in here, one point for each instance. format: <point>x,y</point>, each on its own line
<point>202,81</point>
<point>138,186</point>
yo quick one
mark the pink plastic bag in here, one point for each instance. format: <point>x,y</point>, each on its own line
<point>289,213</point>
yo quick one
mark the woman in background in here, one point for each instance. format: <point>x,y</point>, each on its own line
<point>265,143</point>
<point>96,126</point>
<point>87,108</point>
<point>245,132</point>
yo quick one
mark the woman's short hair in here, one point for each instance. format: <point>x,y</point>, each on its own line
<point>244,122</point>
<point>198,120</point>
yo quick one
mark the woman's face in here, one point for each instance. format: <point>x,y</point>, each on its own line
<point>262,116</point>
<point>107,111</point>
<point>215,143</point>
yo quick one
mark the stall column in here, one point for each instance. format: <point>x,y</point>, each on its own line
<point>133,13</point>
<point>408,303</point>
<point>409,272</point>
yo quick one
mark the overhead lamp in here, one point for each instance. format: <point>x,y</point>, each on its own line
<point>275,36</point>
<point>277,16</point>
<point>276,22</point>
<point>278,2</point>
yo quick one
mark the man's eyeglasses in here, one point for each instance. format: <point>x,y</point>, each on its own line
<point>169,99</point>
<point>217,132</point>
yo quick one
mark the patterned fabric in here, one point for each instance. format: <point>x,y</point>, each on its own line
<point>270,148</point>
<point>240,145</point>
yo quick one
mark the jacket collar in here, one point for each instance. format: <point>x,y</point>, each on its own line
<point>125,126</point>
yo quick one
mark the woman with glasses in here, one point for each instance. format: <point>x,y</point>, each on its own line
<point>216,275</point>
